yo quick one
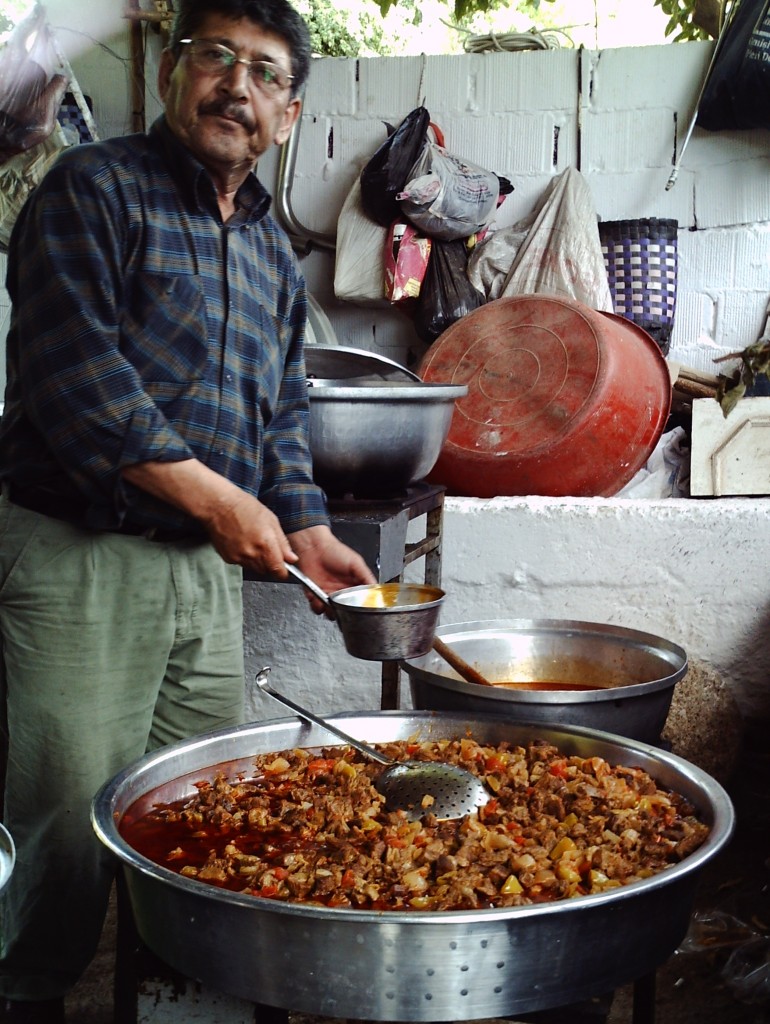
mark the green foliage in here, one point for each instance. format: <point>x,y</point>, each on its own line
<point>331,32</point>
<point>336,32</point>
<point>681,15</point>
<point>464,9</point>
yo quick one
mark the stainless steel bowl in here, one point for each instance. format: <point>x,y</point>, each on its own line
<point>375,427</point>
<point>336,364</point>
<point>635,673</point>
<point>404,966</point>
<point>388,621</point>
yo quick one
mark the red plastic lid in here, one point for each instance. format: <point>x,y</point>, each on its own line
<point>561,399</point>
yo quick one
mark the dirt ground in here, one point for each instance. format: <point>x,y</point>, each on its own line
<point>690,988</point>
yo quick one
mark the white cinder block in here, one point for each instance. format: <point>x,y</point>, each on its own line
<point>742,315</point>
<point>651,80</point>
<point>619,141</point>
<point>332,86</point>
<point>732,194</point>
<point>707,259</point>
<point>638,194</point>
<point>389,88</point>
<point>542,80</point>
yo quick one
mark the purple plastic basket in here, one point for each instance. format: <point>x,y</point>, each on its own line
<point>642,262</point>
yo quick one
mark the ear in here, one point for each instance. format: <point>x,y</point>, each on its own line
<point>165,68</point>
<point>290,115</point>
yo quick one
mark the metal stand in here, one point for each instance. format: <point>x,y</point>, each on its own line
<point>377,529</point>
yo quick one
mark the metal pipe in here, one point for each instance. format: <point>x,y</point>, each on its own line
<point>302,238</point>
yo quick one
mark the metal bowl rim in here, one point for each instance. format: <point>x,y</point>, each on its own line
<point>365,355</point>
<point>493,627</point>
<point>339,598</point>
<point>721,828</point>
<point>419,391</point>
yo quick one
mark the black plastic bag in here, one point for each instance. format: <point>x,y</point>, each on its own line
<point>386,173</point>
<point>446,294</point>
<point>737,90</point>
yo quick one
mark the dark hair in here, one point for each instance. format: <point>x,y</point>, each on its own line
<point>276,16</point>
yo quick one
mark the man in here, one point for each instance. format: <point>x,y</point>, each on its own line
<point>154,441</point>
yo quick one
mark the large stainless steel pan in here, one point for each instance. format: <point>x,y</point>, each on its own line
<point>635,673</point>
<point>405,966</point>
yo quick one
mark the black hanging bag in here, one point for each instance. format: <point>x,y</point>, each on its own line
<point>737,89</point>
<point>446,294</point>
<point>386,173</point>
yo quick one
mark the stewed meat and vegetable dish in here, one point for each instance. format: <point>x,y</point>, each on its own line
<point>309,826</point>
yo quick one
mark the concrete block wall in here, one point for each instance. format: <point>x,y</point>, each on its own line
<point>620,116</point>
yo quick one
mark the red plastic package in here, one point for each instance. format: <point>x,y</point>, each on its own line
<point>407,254</point>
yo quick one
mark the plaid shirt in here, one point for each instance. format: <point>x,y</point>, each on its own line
<point>145,329</point>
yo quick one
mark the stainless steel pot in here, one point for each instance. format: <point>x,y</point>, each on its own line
<point>375,427</point>
<point>375,439</point>
<point>404,966</point>
<point>636,673</point>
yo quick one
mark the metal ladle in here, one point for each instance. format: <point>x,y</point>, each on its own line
<point>463,669</point>
<point>455,791</point>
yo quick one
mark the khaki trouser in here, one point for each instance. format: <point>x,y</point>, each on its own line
<point>111,646</point>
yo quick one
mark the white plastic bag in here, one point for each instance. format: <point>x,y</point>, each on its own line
<point>21,174</point>
<point>447,197</point>
<point>560,254</point>
<point>359,268</point>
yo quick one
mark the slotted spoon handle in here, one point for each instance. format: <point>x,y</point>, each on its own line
<point>362,748</point>
<point>460,665</point>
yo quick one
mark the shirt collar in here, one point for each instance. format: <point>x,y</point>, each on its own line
<point>194,181</point>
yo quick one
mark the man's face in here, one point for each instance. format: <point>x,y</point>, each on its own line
<point>224,118</point>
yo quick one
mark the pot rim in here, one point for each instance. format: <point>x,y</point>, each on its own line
<point>503,627</point>
<point>719,814</point>
<point>426,597</point>
<point>406,391</point>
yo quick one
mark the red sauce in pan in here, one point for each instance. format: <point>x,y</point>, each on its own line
<point>539,684</point>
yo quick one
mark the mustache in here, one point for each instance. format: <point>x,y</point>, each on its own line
<point>228,108</point>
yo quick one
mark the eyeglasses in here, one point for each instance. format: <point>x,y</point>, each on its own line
<point>216,59</point>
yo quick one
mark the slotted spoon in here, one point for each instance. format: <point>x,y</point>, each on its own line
<point>453,792</point>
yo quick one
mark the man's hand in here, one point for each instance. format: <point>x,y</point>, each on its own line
<point>243,530</point>
<point>329,563</point>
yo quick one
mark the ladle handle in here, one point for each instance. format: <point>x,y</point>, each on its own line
<point>311,585</point>
<point>468,672</point>
<point>362,748</point>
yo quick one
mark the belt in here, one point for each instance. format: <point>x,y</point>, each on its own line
<point>70,510</point>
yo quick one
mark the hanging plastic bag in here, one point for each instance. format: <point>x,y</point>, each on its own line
<point>446,294</point>
<point>446,196</point>
<point>407,255</point>
<point>20,175</point>
<point>387,171</point>
<point>737,90</point>
<point>359,266</point>
<point>560,253</point>
<point>32,84</point>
